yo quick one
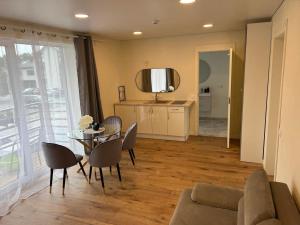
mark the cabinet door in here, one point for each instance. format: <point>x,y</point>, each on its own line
<point>144,119</point>
<point>176,121</point>
<point>159,120</point>
<point>127,114</point>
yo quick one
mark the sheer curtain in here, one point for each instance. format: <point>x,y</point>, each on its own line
<point>39,101</point>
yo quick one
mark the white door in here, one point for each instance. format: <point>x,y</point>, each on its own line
<point>159,120</point>
<point>229,98</point>
<point>144,114</point>
<point>127,113</point>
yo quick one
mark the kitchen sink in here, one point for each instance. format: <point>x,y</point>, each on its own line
<point>158,102</point>
<point>178,102</point>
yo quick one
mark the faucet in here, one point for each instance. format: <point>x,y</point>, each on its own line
<point>156,97</point>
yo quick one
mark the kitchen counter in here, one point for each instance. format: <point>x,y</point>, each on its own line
<point>168,103</point>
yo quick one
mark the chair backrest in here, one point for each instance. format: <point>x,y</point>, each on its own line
<point>58,156</point>
<point>130,137</point>
<point>113,121</point>
<point>106,154</point>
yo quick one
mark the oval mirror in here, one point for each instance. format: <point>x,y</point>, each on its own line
<point>156,80</point>
<point>204,71</point>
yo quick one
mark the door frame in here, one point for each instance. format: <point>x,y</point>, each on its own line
<point>211,48</point>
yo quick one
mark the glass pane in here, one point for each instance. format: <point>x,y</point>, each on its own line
<point>32,99</point>
<point>53,68</point>
<point>9,138</point>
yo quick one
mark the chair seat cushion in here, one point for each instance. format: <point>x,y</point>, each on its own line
<point>78,157</point>
<point>189,212</point>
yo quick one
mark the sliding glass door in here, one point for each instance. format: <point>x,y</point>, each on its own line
<point>39,101</point>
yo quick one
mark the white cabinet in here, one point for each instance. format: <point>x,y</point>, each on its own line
<point>176,121</point>
<point>163,122</point>
<point>144,119</point>
<point>127,114</point>
<point>159,120</point>
<point>255,91</point>
<point>152,120</point>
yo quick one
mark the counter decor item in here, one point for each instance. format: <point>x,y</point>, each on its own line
<point>95,126</point>
<point>122,93</point>
<point>85,122</point>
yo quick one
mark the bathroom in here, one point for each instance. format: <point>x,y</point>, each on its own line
<point>214,85</point>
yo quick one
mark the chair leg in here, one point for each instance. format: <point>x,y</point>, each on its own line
<point>90,174</point>
<point>110,170</point>
<point>64,181</point>
<point>102,179</point>
<point>82,169</point>
<point>131,156</point>
<point>132,150</point>
<point>119,172</point>
<point>82,165</point>
<point>51,179</point>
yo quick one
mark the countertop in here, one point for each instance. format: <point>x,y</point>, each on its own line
<point>167,103</point>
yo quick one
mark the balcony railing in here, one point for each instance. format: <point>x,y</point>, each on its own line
<point>11,141</point>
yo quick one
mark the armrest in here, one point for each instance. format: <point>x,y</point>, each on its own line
<point>216,196</point>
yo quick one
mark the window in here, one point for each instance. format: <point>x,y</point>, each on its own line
<point>39,101</point>
<point>158,80</point>
<point>30,72</point>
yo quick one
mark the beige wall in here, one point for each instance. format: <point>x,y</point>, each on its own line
<point>180,53</point>
<point>108,62</point>
<point>288,159</point>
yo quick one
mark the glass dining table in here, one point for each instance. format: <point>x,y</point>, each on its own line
<point>89,138</point>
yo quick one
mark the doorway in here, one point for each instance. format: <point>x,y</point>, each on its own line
<point>274,105</point>
<point>214,93</point>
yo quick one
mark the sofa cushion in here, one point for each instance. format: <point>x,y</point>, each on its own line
<point>258,199</point>
<point>241,213</point>
<point>189,212</point>
<point>216,196</point>
<point>286,209</point>
<point>270,222</point>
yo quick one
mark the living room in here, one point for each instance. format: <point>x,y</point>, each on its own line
<point>101,112</point>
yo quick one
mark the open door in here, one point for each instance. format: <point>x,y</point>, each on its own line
<point>229,97</point>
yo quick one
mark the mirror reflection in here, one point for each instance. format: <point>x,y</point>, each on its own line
<point>156,80</point>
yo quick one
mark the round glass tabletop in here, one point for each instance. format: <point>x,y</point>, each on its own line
<point>89,134</point>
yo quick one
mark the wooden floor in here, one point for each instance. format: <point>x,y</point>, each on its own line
<point>148,193</point>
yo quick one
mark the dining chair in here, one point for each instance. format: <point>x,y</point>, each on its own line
<point>114,123</point>
<point>60,157</point>
<point>130,140</point>
<point>106,154</point>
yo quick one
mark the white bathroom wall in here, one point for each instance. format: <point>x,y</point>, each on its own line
<point>217,82</point>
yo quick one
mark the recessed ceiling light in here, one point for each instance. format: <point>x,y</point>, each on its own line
<point>187,1</point>
<point>137,33</point>
<point>81,16</point>
<point>209,25</point>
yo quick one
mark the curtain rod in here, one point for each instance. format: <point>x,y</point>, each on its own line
<point>38,32</point>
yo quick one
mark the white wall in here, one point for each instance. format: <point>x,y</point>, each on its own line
<point>109,67</point>
<point>288,159</point>
<point>217,82</point>
<point>180,53</point>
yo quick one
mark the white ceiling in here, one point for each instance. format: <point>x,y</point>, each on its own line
<point>119,18</point>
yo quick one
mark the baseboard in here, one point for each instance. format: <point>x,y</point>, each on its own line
<point>163,137</point>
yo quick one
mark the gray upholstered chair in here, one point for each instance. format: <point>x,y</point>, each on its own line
<point>130,140</point>
<point>60,157</point>
<point>112,122</point>
<point>106,154</point>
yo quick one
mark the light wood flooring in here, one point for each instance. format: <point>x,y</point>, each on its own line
<point>148,193</point>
